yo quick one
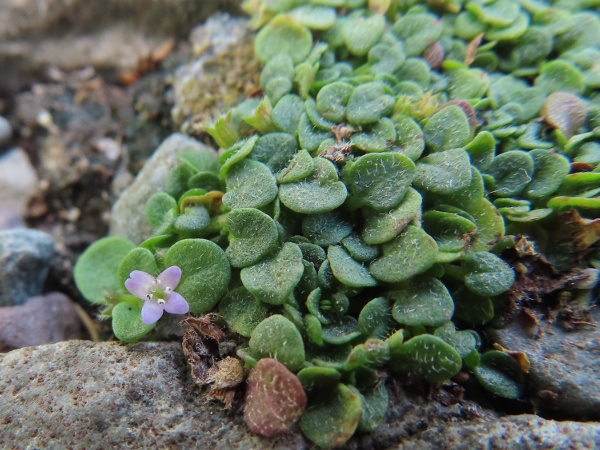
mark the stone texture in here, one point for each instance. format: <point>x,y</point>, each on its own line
<point>223,73</point>
<point>42,320</point>
<point>24,258</point>
<point>128,215</point>
<point>111,34</point>
<point>78,394</point>
<point>5,131</point>
<point>19,181</point>
<point>564,363</point>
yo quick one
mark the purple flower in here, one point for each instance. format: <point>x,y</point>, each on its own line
<point>158,293</point>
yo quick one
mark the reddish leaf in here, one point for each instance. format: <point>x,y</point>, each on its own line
<point>275,399</point>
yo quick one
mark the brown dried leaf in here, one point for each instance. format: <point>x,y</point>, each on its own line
<point>471,50</point>
<point>564,111</point>
<point>434,55</point>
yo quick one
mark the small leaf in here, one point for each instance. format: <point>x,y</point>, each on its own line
<point>275,150</point>
<point>287,113</point>
<point>273,279</point>
<point>160,209</point>
<point>409,136</point>
<point>242,311</point>
<point>205,272</point>
<point>418,31</point>
<point>127,322</point>
<point>378,180</point>
<point>512,172</point>
<point>332,101</point>
<point>314,17</point>
<point>368,103</point>
<point>487,274</point>
<point>332,416</point>
<point>252,235</point>
<point>360,33</point>
<point>347,270</point>
<point>342,331</point>
<point>277,337</point>
<point>385,226</point>
<point>327,228</point>
<point>550,169</point>
<point>564,111</point>
<point>444,173</point>
<point>283,35</point>
<point>317,377</point>
<point>236,153</point>
<point>425,301</point>
<point>447,129</point>
<point>137,259</point>
<point>500,374</point>
<point>560,75</point>
<point>359,250</point>
<point>300,167</point>
<point>320,192</point>
<point>471,308</point>
<point>275,399</point>
<point>410,254</point>
<point>427,356</point>
<point>374,406</point>
<point>250,184</point>
<point>96,271</point>
<point>376,320</point>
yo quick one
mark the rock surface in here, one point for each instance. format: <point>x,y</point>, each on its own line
<point>24,258</point>
<point>223,73</point>
<point>112,34</point>
<point>5,131</point>
<point>19,181</point>
<point>78,394</point>
<point>128,215</point>
<point>42,320</point>
<point>564,363</point>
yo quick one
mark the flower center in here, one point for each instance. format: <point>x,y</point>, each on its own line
<point>159,293</point>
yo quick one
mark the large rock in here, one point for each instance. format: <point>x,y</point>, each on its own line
<point>18,182</point>
<point>24,258</point>
<point>224,72</point>
<point>42,320</point>
<point>565,366</point>
<point>128,215</point>
<point>110,34</point>
<point>78,394</point>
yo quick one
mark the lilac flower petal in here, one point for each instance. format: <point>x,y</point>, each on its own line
<point>176,304</point>
<point>170,277</point>
<point>151,312</point>
<point>139,283</point>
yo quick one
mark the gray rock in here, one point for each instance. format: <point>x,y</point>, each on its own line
<point>5,131</point>
<point>564,363</point>
<point>78,394</point>
<point>24,262</point>
<point>42,320</point>
<point>18,181</point>
<point>111,34</point>
<point>220,76</point>
<point>128,215</point>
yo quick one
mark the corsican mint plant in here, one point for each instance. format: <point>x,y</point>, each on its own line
<point>354,222</point>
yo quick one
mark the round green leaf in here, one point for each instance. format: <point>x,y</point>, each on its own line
<point>205,272</point>
<point>300,167</point>
<point>332,101</point>
<point>137,259</point>
<point>500,374</point>
<point>127,322</point>
<point>275,150</point>
<point>376,320</point>
<point>550,169</point>
<point>250,184</point>
<point>444,173</point>
<point>320,192</point>
<point>160,208</point>
<point>385,226</point>
<point>487,274</point>
<point>427,356</point>
<point>378,180</point>
<point>331,416</point>
<point>418,31</point>
<point>241,311</point>
<point>96,270</point>
<point>410,254</point>
<point>273,279</point>
<point>425,301</point>
<point>368,103</point>
<point>327,228</point>
<point>283,35</point>
<point>347,270</point>
<point>512,172</point>
<point>252,235</point>
<point>362,33</point>
<point>447,129</point>
<point>276,337</point>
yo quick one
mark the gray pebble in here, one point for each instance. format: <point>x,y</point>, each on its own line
<point>25,256</point>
